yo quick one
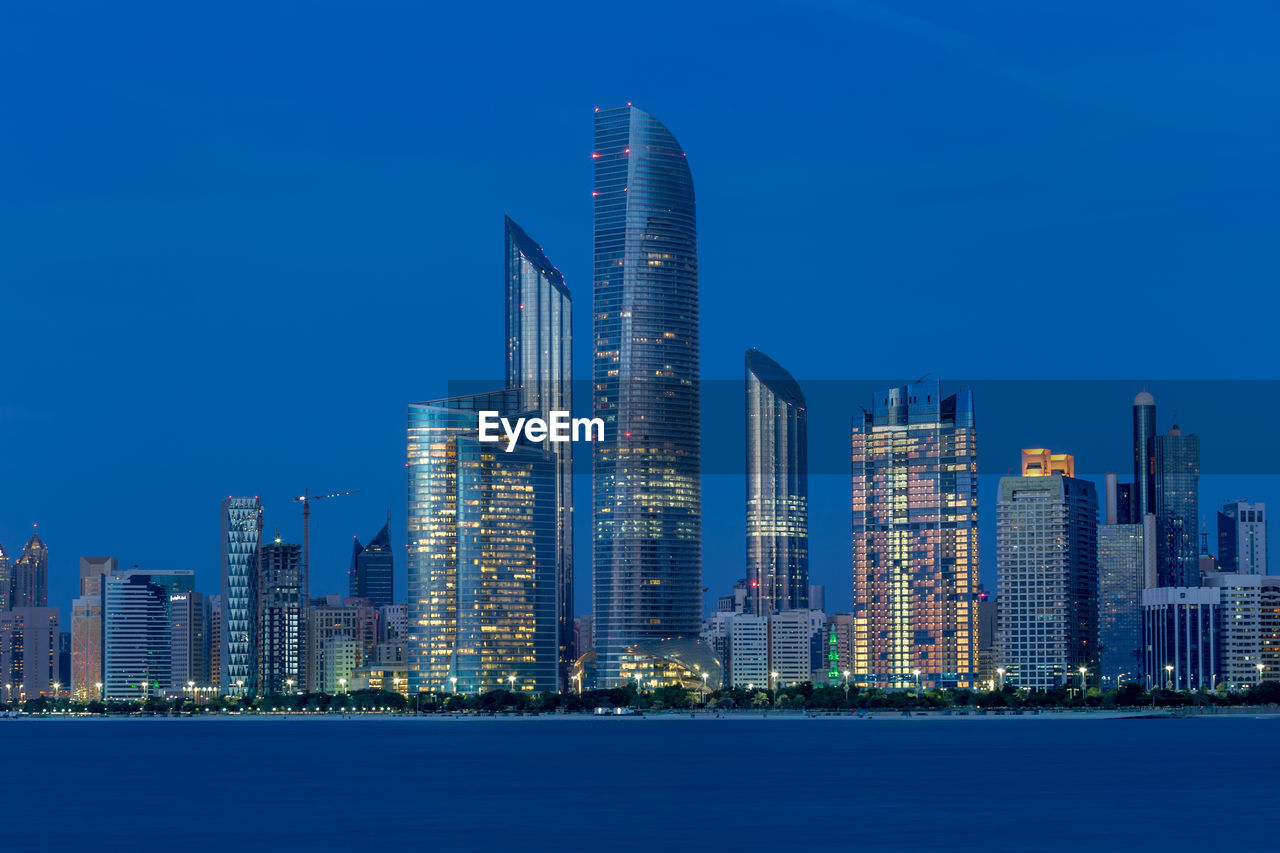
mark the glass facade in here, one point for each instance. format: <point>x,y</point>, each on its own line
<point>1047,566</point>
<point>1121,577</point>
<point>482,553</point>
<point>1141,500</point>
<point>777,489</point>
<point>1176,498</point>
<point>540,368</point>
<point>241,540</point>
<point>647,513</point>
<point>372,572</point>
<point>136,636</point>
<point>29,576</point>
<point>281,639</point>
<point>915,539</point>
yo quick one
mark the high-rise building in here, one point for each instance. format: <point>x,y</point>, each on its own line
<point>749,651</point>
<point>241,529</point>
<point>1248,628</point>
<point>1180,637</point>
<point>86,647</point>
<point>915,539</point>
<point>188,662</point>
<point>986,639</point>
<point>1122,574</point>
<point>91,571</point>
<point>5,583</point>
<point>29,652</point>
<point>137,659</point>
<point>1176,501</point>
<point>790,647</point>
<point>337,630</point>
<point>1242,538</point>
<point>539,311</point>
<point>482,553</point>
<point>646,497</point>
<point>1047,566</point>
<point>213,612</point>
<point>29,576</point>
<point>372,572</point>
<point>1142,497</point>
<point>281,634</point>
<point>393,622</point>
<point>777,488</point>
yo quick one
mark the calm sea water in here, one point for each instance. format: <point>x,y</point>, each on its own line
<point>648,784</point>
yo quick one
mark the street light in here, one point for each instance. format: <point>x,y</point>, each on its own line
<point>454,680</point>
<point>343,683</point>
<point>1260,669</point>
<point>772,676</point>
<point>288,683</point>
<point>846,686</point>
<point>704,688</point>
<point>511,679</point>
<point>1083,670</point>
<point>917,674</point>
<point>1000,672</point>
<point>1168,676</point>
<point>97,684</point>
<point>195,697</point>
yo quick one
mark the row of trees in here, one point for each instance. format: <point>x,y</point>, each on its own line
<point>807,697</point>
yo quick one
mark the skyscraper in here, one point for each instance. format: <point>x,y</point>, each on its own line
<point>29,652</point>
<point>1142,498</point>
<point>1047,566</point>
<point>777,488</point>
<point>1176,502</point>
<point>482,553</point>
<point>372,573</point>
<point>281,636</point>
<point>29,584</point>
<point>539,311</point>
<point>1242,538</point>
<point>646,496</point>
<point>137,632</point>
<point>5,583</point>
<point>915,539</point>
<point>1122,573</point>
<point>188,664</point>
<point>241,529</point>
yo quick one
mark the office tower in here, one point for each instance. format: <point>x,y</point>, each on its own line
<point>334,642</point>
<point>777,488</point>
<point>915,539</point>
<point>539,312</point>
<point>646,496</point>
<point>137,635</point>
<point>368,633</point>
<point>213,609</point>
<point>817,597</point>
<point>986,639</point>
<point>1121,579</point>
<point>393,621</point>
<point>86,647</point>
<point>372,573</point>
<point>29,652</point>
<point>187,662</point>
<point>736,601</point>
<point>241,528</point>
<point>5,583</point>
<point>790,647</point>
<point>64,663</point>
<point>1047,566</point>
<point>1248,628</point>
<point>282,614</point>
<point>1176,501</point>
<point>91,571</point>
<point>1142,498</point>
<point>1242,538</point>
<point>749,651</point>
<point>1180,637</point>
<point>584,635</point>
<point>482,552</point>
<point>29,575</point>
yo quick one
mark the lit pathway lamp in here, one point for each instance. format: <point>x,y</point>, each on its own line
<point>1168,676</point>
<point>1083,672</point>
<point>1260,669</point>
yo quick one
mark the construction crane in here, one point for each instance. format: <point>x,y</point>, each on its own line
<point>305,499</point>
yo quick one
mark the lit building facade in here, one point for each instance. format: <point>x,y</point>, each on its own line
<point>29,652</point>
<point>86,647</point>
<point>188,655</point>
<point>482,553</point>
<point>1176,500</point>
<point>1122,571</point>
<point>333,629</point>
<point>777,511</point>
<point>1180,637</point>
<point>915,539</point>
<point>1249,628</point>
<point>282,617</point>
<point>1142,497</point>
<point>1242,538</point>
<point>372,573</point>
<point>213,610</point>
<point>29,575</point>
<point>241,540</point>
<point>1047,566</point>
<point>539,312</point>
<point>5,584</point>
<point>647,512</point>
<point>137,636</point>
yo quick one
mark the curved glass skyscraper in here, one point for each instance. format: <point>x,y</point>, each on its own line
<point>647,518</point>
<point>539,368</point>
<point>777,488</point>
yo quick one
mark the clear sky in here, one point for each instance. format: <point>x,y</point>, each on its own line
<point>238,240</point>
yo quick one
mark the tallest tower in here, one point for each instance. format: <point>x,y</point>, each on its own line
<point>647,513</point>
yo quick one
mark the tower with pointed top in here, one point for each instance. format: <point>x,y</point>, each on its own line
<point>29,575</point>
<point>372,572</point>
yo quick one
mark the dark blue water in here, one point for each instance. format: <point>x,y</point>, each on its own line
<point>648,784</point>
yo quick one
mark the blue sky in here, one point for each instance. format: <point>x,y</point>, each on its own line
<point>238,242</point>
